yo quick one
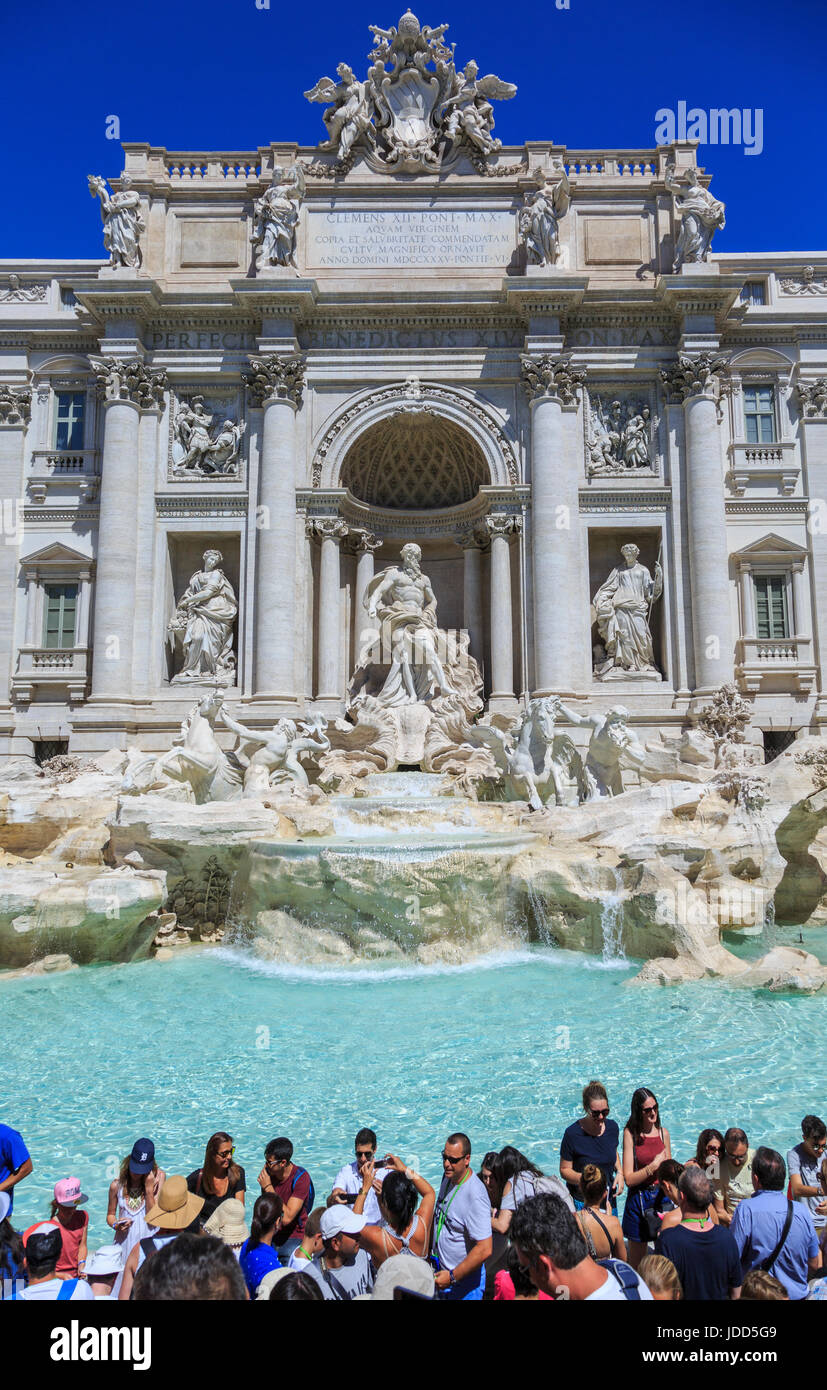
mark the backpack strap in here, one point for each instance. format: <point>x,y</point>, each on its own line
<point>625,1276</point>
<point>67,1288</point>
<point>148,1246</point>
<point>788,1221</point>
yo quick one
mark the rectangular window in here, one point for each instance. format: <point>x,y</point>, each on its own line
<point>759,414</point>
<point>754,292</point>
<point>69,419</point>
<point>771,606</point>
<point>61,608</point>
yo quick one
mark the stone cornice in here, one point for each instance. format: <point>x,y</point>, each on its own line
<point>292,298</point>
<point>699,292</point>
<point>549,294</point>
<point>767,506</point>
<point>622,499</point>
<point>119,297</point>
<point>274,378</point>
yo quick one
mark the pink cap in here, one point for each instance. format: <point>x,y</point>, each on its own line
<point>68,1193</point>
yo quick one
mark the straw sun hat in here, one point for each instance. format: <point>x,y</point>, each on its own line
<point>176,1207</point>
<point>227,1222</point>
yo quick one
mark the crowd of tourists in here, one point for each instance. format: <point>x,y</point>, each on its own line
<point>729,1221</point>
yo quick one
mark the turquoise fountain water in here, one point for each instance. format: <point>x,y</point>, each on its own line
<point>216,1039</point>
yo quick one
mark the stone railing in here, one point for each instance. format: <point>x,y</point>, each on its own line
<point>48,667</point>
<point>64,463</point>
<point>790,658</point>
<point>641,165</point>
<point>763,463</point>
<point>212,168</point>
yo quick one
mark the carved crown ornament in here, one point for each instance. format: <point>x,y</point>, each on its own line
<point>551,377</point>
<point>276,378</point>
<point>703,375</point>
<point>118,380</point>
<point>15,405</point>
<point>812,396</point>
<point>417,397</point>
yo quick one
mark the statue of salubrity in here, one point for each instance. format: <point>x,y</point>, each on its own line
<point>701,216</point>
<point>122,221</point>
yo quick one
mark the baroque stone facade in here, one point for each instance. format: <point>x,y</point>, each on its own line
<point>299,361</point>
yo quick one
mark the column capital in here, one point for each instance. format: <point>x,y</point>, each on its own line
<point>548,377</point>
<point>119,380</point>
<point>15,406</point>
<point>362,542</point>
<point>704,374</point>
<point>276,378</point>
<point>321,528</point>
<point>503,524</point>
<point>812,398</point>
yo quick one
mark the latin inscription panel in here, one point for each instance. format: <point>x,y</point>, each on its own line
<point>370,240</point>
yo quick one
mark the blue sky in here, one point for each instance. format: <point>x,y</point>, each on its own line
<point>223,74</point>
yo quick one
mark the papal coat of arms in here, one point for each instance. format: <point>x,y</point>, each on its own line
<point>413,104</point>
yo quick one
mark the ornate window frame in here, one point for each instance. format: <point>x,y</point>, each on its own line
<point>778,662</point>
<point>774,463</point>
<point>54,668</point>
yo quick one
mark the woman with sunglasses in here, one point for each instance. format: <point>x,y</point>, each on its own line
<point>646,1146</point>
<point>220,1177</point>
<point>592,1139</point>
<point>709,1151</point>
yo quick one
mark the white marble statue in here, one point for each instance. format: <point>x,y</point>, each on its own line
<point>273,756</point>
<point>348,117</point>
<point>276,216</point>
<point>401,599</point>
<point>122,221</point>
<point>622,609</point>
<point>196,759</point>
<point>701,216</point>
<point>203,620</point>
<point>539,764</point>
<point>612,747</point>
<point>468,110</point>
<point>201,447</point>
<point>539,220</point>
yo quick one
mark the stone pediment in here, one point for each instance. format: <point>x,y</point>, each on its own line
<point>771,547</point>
<point>56,556</point>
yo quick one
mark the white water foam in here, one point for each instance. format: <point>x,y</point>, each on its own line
<point>373,972</point>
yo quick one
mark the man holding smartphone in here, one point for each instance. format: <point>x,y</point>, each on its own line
<point>462,1238</point>
<point>348,1182</point>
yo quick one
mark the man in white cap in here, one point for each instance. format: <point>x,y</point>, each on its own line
<point>102,1269</point>
<point>343,1269</point>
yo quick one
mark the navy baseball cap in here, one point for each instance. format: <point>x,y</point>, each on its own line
<point>142,1156</point>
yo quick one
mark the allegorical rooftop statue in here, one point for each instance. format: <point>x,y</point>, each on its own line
<point>122,221</point>
<point>701,216</point>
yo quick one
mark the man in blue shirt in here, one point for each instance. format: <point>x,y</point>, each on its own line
<point>759,1222</point>
<point>15,1162</point>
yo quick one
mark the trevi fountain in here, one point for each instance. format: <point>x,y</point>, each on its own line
<point>394,702</point>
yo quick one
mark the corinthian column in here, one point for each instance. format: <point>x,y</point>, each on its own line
<point>696,382</point>
<point>127,389</point>
<point>365,545</point>
<point>551,385</point>
<point>500,529</point>
<point>472,591</point>
<point>275,384</point>
<point>15,413</point>
<point>329,531</point>
<point>812,401</point>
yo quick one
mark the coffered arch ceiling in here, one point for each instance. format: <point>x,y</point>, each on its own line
<point>414,461</point>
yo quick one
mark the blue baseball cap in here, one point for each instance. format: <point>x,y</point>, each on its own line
<point>142,1156</point>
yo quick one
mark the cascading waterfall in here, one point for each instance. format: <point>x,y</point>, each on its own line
<point>611,923</point>
<point>769,931</point>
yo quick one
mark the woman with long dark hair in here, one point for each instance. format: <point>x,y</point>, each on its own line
<point>516,1177</point>
<point>646,1145</point>
<point>709,1152</point>
<point>219,1177</point>
<point>131,1195</point>
<point>404,1225</point>
<point>257,1256</point>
